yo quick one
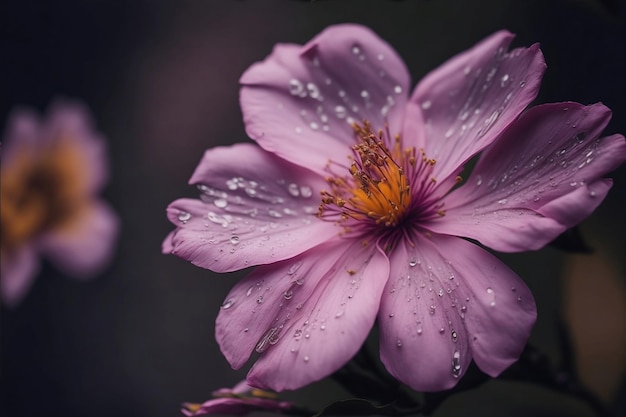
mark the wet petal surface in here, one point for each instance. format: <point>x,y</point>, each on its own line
<point>301,101</point>
<point>462,106</point>
<point>540,178</point>
<point>255,208</point>
<point>306,316</point>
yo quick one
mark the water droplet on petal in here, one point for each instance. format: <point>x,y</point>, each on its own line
<point>288,295</point>
<point>314,91</point>
<point>293,190</point>
<point>259,299</point>
<point>293,268</point>
<point>341,112</point>
<point>306,359</point>
<point>399,343</point>
<point>228,304</point>
<point>234,240</point>
<point>397,89</point>
<point>296,88</point>
<point>454,336</point>
<point>492,296</point>
<point>220,203</point>
<point>184,217</point>
<point>456,364</point>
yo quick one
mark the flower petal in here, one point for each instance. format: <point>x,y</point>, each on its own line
<point>301,101</point>
<point>501,311</point>
<point>316,311</point>
<point>167,246</point>
<point>256,208</point>
<point>84,247</point>
<point>463,105</point>
<point>71,121</point>
<point>423,339</point>
<point>540,178</point>
<point>447,301</point>
<point>18,272</point>
<point>234,406</point>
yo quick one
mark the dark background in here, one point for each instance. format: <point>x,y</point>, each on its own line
<point>161,80</point>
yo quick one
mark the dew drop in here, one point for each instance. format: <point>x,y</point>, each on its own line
<point>234,240</point>
<point>259,299</point>
<point>492,296</point>
<point>274,213</point>
<point>454,336</point>
<point>442,330</point>
<point>269,338</point>
<point>249,291</point>
<point>294,268</point>
<point>504,80</point>
<point>228,304</point>
<point>288,295</point>
<point>306,359</point>
<point>296,88</point>
<point>456,364</point>
<point>340,112</point>
<point>184,217</point>
<point>220,203</point>
<point>399,343</point>
<point>314,91</point>
<point>413,262</point>
<point>397,89</point>
<point>431,309</point>
<point>380,57</point>
<point>306,191</point>
<point>293,190</point>
<point>314,126</point>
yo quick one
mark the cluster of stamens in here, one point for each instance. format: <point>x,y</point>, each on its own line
<point>377,188</point>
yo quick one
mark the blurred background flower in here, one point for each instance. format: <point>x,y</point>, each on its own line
<point>161,79</point>
<point>51,173</point>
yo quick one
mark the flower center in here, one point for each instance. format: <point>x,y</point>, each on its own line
<point>377,189</point>
<point>39,190</point>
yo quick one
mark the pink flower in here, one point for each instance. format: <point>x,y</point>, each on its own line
<point>52,171</point>
<point>353,211</point>
<point>240,400</point>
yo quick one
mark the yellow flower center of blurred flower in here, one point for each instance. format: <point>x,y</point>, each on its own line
<point>41,189</point>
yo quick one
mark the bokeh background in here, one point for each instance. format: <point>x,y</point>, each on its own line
<point>161,79</point>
